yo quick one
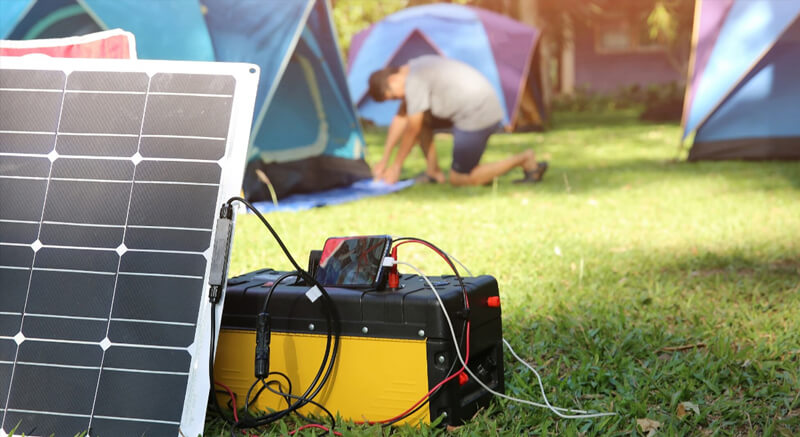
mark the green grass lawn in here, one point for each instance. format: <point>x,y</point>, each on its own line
<point>619,256</point>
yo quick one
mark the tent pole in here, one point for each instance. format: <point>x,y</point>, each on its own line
<point>512,118</point>
<point>689,73</point>
<point>692,61</point>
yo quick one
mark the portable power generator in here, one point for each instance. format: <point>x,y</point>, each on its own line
<point>395,346</point>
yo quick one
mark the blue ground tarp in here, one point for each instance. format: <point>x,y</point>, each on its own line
<point>359,190</point>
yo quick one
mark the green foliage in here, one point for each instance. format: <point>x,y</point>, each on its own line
<point>663,25</point>
<point>663,103</point>
<point>352,16</point>
<point>653,255</point>
<point>670,22</point>
<point>584,100</point>
<point>655,102</point>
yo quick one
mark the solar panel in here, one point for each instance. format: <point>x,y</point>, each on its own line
<point>111,176</point>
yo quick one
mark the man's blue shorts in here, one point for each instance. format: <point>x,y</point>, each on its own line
<point>468,147</point>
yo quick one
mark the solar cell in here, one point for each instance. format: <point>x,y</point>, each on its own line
<point>111,175</point>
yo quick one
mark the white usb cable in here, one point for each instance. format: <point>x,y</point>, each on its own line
<point>556,410</point>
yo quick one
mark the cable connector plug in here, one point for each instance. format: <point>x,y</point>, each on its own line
<point>226,211</point>
<point>394,277</point>
<point>263,337</point>
<point>219,254</point>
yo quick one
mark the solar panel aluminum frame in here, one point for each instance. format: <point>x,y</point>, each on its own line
<point>232,166</point>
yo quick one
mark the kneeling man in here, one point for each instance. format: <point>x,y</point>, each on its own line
<point>439,92</point>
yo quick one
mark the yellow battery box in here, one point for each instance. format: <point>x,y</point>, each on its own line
<point>395,346</point>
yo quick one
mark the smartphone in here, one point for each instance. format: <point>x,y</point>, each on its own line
<point>354,262</point>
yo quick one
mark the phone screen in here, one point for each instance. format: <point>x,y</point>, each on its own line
<point>353,261</point>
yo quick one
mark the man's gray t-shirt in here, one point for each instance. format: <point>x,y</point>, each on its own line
<point>452,90</point>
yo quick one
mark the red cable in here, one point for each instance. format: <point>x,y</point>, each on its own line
<point>233,400</point>
<point>314,425</point>
<point>453,267</point>
<point>466,359</point>
<point>439,252</point>
<point>426,396</point>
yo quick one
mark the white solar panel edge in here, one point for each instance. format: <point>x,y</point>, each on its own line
<point>194,411</point>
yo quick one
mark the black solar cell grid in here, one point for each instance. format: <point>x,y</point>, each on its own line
<point>109,185</point>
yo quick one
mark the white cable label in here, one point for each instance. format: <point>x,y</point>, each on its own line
<point>313,294</point>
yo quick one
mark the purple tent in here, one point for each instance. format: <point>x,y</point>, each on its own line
<point>503,49</point>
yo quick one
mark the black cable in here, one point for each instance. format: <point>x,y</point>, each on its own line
<point>318,405</point>
<point>247,396</point>
<point>269,227</point>
<point>228,404</point>
<point>287,399</point>
<point>288,384</point>
<point>281,278</point>
<point>289,402</point>
<point>329,357</point>
<point>280,386</point>
<point>312,390</point>
<point>288,381</point>
<point>333,323</point>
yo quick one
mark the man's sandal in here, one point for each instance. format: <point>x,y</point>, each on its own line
<point>534,176</point>
<point>425,178</point>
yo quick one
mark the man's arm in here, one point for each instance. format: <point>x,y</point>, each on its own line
<point>413,126</point>
<point>396,128</point>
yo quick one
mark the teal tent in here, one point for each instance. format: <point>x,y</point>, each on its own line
<point>305,136</point>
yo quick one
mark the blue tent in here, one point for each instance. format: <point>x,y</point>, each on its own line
<point>742,93</point>
<point>305,136</point>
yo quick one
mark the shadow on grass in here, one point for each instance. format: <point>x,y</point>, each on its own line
<point>746,175</point>
<point>625,175</point>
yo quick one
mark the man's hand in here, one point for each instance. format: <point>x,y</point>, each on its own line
<point>410,133</point>
<point>378,170</point>
<point>392,174</point>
